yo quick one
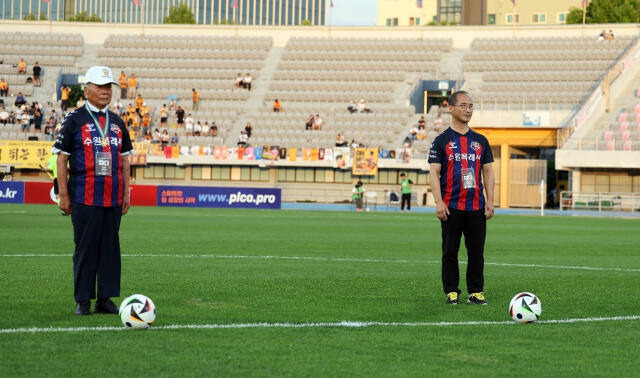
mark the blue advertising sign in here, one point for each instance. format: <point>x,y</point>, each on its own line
<point>11,192</point>
<point>209,196</point>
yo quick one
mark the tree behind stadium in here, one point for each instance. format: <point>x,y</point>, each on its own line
<point>180,14</point>
<point>607,11</point>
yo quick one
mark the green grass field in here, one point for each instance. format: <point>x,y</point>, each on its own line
<point>231,267</point>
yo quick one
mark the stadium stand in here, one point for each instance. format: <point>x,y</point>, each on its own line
<point>556,70</point>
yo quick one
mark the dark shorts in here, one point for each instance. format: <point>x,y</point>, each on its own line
<point>55,186</point>
<point>163,119</point>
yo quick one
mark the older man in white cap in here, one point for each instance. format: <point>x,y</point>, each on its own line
<point>95,144</point>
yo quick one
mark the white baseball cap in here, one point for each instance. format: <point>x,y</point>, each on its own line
<point>99,75</point>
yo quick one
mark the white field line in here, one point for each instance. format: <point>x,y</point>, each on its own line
<point>342,324</point>
<point>337,259</point>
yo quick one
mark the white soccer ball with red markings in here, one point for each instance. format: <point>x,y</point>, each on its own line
<point>137,311</point>
<point>525,308</point>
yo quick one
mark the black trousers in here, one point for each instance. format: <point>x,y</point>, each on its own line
<point>473,225</point>
<point>97,254</point>
<point>406,198</point>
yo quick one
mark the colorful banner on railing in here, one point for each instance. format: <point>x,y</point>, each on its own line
<point>11,192</point>
<point>209,196</point>
<point>365,162</point>
<point>25,154</point>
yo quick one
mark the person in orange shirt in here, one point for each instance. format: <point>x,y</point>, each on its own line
<point>146,122</point>
<point>132,83</point>
<point>4,88</point>
<point>196,98</point>
<point>277,106</point>
<point>123,84</point>
<point>22,67</point>
<point>64,97</point>
<point>139,101</point>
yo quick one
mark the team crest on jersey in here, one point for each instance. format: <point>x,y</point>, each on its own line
<point>114,128</point>
<point>475,146</point>
<point>452,145</point>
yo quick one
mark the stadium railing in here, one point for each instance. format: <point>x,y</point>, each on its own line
<point>600,201</point>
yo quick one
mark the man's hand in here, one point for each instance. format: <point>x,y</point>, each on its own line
<point>65,204</point>
<point>442,211</point>
<point>488,210</point>
<point>126,203</point>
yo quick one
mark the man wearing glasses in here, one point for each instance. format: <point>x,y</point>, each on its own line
<point>459,160</point>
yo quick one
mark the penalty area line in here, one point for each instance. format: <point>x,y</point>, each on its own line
<point>342,324</point>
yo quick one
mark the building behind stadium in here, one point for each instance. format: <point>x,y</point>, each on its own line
<point>244,12</point>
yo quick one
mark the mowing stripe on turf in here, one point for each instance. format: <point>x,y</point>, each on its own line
<point>337,259</point>
<point>342,324</point>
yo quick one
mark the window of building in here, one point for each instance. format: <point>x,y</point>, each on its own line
<point>394,21</point>
<point>491,19</point>
<point>450,10</point>
<point>388,22</point>
<point>417,21</point>
<point>562,17</point>
<point>221,173</point>
<point>539,18</point>
<point>512,19</point>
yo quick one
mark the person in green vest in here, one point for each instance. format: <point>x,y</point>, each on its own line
<point>406,186</point>
<point>52,171</point>
<point>358,194</point>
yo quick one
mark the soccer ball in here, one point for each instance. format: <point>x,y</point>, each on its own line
<point>137,311</point>
<point>525,308</point>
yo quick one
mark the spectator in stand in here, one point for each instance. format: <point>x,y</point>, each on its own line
<point>195,98</point>
<point>148,137</point>
<point>49,128</point>
<point>54,115</point>
<point>239,81</point>
<point>611,37</point>
<point>132,84</point>
<point>340,142</point>
<point>197,129</point>
<point>437,123</point>
<point>354,143</point>
<point>180,116</point>
<point>139,101</point>
<point>164,138</point>
<point>422,123</point>
<point>413,133</point>
<point>24,121</point>
<point>157,137</point>
<point>12,117</point>
<point>248,129</point>
<point>353,106</point>
<point>362,107</point>
<point>277,106</point>
<point>146,123</point>
<point>189,124</point>
<point>603,35</point>
<point>22,67</point>
<point>164,113</point>
<point>243,139</point>
<point>205,128</point>
<point>123,84</point>
<point>145,109</point>
<point>64,96</point>
<point>36,74</point>
<point>246,82</point>
<point>37,120</point>
<point>20,100</point>
<point>309,124</point>
<point>405,154</point>
<point>317,123</point>
<point>174,139</point>
<point>213,131</point>
<point>4,88</point>
<point>136,121</point>
<point>118,107</point>
<point>4,116</point>
<point>80,102</point>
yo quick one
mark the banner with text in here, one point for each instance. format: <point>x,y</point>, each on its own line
<point>25,154</point>
<point>11,192</point>
<point>365,162</point>
<point>208,196</point>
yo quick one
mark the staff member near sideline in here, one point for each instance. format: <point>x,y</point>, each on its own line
<point>459,159</point>
<point>406,185</point>
<point>96,144</point>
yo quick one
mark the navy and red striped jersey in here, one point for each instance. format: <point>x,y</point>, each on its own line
<point>81,140</point>
<point>460,154</point>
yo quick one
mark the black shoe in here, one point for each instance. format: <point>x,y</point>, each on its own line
<point>452,298</point>
<point>105,306</point>
<point>83,308</point>
<point>477,298</point>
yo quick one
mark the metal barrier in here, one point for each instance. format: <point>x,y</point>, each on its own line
<point>601,201</point>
